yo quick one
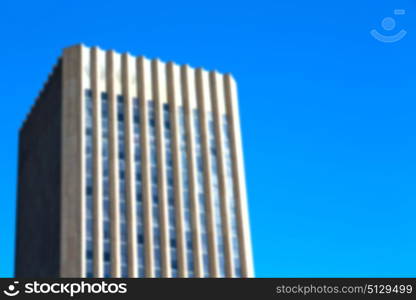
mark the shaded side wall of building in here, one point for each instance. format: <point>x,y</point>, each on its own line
<point>39,184</point>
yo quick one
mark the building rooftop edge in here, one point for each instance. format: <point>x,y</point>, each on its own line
<point>82,45</point>
<point>41,92</point>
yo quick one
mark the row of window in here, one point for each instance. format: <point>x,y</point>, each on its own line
<point>122,186</point>
<point>139,200</point>
<point>155,196</point>
<point>216,196</point>
<point>185,192</point>
<point>170,194</point>
<point>201,194</point>
<point>89,184</point>
<point>231,198</point>
<point>153,150</point>
<point>106,184</point>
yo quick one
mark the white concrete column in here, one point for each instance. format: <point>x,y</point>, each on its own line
<point>114,164</point>
<point>73,156</point>
<point>174,96</point>
<point>217,93</point>
<point>97,164</point>
<point>128,88</point>
<point>239,177</point>
<point>159,96</point>
<point>189,102</point>
<point>204,105</point>
<point>145,94</point>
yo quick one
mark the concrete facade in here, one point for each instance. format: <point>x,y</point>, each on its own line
<point>149,172</point>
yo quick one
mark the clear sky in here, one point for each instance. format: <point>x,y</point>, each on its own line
<point>327,111</point>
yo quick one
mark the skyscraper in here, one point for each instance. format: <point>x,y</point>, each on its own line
<point>130,167</point>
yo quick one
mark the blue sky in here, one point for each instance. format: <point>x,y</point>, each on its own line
<point>328,115</point>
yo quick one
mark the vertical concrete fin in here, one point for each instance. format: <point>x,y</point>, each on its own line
<point>127,91</point>
<point>204,106</point>
<point>239,177</point>
<point>174,99</point>
<point>73,197</point>
<point>217,93</point>
<point>97,163</point>
<point>145,94</point>
<point>159,96</point>
<point>189,103</point>
<point>114,164</point>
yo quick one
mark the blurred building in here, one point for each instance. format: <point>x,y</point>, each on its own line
<point>130,167</point>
